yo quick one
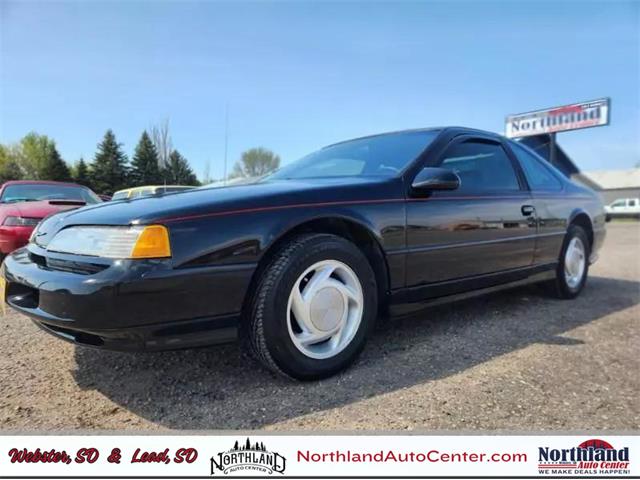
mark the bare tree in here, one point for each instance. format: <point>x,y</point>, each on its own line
<point>255,162</point>
<point>162,141</point>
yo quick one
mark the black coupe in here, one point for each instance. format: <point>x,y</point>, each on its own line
<point>301,263</point>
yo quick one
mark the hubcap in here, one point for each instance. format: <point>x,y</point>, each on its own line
<point>574,262</point>
<point>325,309</point>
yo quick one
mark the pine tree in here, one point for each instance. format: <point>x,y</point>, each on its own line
<point>144,167</point>
<point>178,171</point>
<point>55,168</point>
<point>81,173</point>
<point>109,171</point>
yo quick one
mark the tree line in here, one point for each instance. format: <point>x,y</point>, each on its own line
<point>154,162</point>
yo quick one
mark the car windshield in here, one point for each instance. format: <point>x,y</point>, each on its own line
<point>34,192</point>
<point>142,192</point>
<point>120,195</point>
<point>378,156</point>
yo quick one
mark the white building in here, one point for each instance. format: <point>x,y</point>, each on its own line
<point>615,184</point>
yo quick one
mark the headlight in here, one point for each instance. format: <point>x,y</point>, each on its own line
<point>113,242</point>
<point>21,221</point>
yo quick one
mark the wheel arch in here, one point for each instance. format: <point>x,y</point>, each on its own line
<point>582,218</point>
<point>357,232</point>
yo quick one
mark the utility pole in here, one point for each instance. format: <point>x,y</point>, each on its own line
<point>226,141</point>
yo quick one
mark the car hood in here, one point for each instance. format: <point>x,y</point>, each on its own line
<point>210,201</point>
<point>39,209</point>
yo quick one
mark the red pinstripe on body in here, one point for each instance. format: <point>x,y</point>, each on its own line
<point>336,203</point>
<point>277,207</point>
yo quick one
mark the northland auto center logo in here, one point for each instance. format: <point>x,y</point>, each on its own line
<point>248,456</point>
<point>591,457</point>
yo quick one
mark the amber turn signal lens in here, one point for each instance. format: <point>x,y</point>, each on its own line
<point>153,242</point>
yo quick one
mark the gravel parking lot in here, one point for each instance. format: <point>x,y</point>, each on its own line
<point>515,360</point>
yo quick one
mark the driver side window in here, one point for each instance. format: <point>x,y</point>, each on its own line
<point>483,167</point>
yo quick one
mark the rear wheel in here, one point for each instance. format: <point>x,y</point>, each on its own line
<point>573,264</point>
<point>315,305</point>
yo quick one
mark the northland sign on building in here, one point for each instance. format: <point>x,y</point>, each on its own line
<point>559,119</point>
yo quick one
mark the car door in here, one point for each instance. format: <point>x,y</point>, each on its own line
<point>547,191</point>
<point>485,226</point>
<point>619,206</point>
<point>631,206</point>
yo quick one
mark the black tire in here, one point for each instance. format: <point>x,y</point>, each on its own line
<point>265,327</point>
<point>559,286</point>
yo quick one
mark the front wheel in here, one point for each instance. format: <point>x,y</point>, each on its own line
<point>313,309</point>
<point>573,264</point>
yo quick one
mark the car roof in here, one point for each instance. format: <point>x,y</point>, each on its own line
<point>41,182</point>
<point>450,129</point>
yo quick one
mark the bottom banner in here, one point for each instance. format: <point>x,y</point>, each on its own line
<point>319,456</point>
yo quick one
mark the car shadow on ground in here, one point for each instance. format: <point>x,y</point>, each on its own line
<point>217,388</point>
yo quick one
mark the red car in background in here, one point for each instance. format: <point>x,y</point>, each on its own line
<point>23,203</point>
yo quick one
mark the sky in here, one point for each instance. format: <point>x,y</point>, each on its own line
<point>299,75</point>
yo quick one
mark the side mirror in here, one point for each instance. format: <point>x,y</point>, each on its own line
<point>432,178</point>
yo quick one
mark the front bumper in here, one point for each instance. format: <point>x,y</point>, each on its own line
<point>126,304</point>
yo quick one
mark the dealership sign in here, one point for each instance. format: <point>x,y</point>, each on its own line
<point>319,456</point>
<point>559,119</point>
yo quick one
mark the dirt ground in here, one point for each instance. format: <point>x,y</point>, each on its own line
<point>514,360</point>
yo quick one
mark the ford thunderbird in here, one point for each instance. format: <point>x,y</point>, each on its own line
<point>300,264</point>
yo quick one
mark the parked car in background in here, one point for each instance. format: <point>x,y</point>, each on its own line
<point>23,203</point>
<point>623,207</point>
<point>300,264</point>
<point>231,181</point>
<point>105,198</point>
<point>147,190</point>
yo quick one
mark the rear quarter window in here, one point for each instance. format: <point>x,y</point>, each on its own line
<point>539,176</point>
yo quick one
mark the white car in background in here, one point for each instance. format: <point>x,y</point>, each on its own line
<point>623,207</point>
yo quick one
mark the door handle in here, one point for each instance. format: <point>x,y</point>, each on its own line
<point>528,210</point>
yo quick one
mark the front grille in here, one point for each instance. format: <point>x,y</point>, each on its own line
<point>82,268</point>
<point>62,265</point>
<point>39,259</point>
